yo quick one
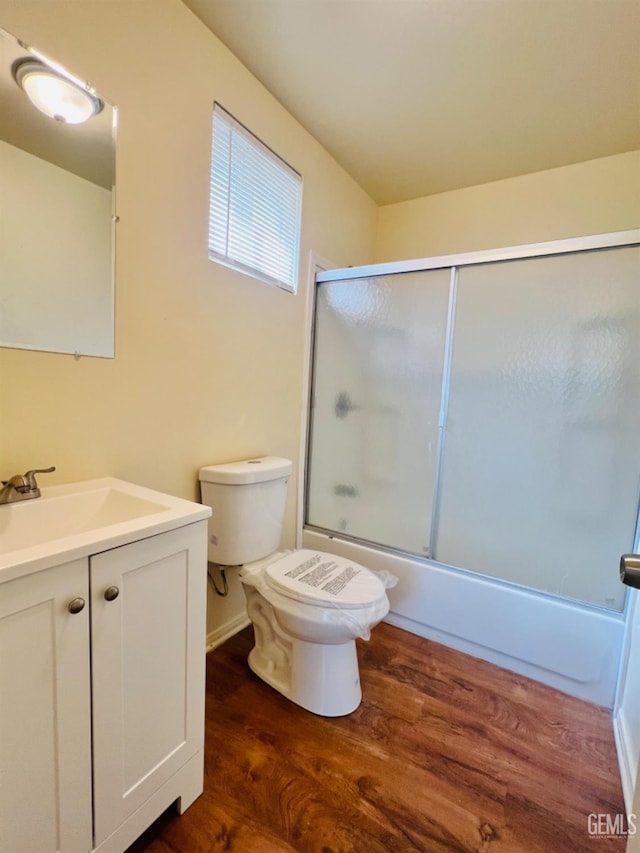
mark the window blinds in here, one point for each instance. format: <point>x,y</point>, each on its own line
<point>254,205</point>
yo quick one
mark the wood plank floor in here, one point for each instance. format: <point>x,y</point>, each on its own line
<point>446,753</point>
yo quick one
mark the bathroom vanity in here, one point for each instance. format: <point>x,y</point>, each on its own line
<point>102,661</point>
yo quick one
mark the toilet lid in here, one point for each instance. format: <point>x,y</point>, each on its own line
<point>315,577</point>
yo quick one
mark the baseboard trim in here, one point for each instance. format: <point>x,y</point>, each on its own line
<point>625,763</point>
<point>220,635</point>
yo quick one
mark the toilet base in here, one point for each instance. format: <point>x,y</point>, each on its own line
<point>323,679</point>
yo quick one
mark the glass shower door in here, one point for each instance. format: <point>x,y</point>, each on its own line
<point>379,350</point>
<point>541,471</point>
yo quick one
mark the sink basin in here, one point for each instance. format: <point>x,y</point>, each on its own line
<point>78,519</point>
<point>48,518</point>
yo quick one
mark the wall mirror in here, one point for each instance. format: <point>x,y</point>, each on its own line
<point>57,207</point>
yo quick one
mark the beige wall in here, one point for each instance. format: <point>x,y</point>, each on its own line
<point>587,198</point>
<point>208,362</point>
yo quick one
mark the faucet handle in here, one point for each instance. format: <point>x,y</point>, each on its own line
<point>29,477</point>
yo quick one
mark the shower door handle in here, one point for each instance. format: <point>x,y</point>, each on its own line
<point>630,570</point>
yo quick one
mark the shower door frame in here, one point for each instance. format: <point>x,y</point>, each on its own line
<point>610,240</point>
<point>604,626</point>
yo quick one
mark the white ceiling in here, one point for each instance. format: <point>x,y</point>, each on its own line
<point>415,97</point>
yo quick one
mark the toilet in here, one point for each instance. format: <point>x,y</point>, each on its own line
<point>307,607</point>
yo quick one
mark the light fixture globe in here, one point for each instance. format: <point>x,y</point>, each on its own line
<point>53,94</point>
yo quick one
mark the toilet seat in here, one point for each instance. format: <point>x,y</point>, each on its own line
<point>324,580</point>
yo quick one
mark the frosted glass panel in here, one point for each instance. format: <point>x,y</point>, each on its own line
<point>542,456</point>
<point>376,402</point>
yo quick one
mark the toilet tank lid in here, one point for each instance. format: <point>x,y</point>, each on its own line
<point>247,471</point>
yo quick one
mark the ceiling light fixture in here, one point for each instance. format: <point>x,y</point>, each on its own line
<point>55,95</point>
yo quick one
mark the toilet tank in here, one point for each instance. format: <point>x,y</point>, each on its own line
<point>247,500</point>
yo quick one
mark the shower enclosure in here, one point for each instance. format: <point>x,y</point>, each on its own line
<point>481,413</point>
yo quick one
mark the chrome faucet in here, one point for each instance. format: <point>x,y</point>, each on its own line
<point>22,487</point>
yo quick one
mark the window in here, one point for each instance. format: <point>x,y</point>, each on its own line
<point>254,205</point>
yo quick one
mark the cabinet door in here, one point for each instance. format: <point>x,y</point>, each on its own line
<point>148,647</point>
<point>45,714</point>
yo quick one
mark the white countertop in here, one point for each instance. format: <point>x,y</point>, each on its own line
<point>78,519</point>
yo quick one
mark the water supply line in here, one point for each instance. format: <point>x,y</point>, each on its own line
<point>212,582</point>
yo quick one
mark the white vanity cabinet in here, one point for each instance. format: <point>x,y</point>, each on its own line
<point>45,712</point>
<point>102,710</point>
<point>148,671</point>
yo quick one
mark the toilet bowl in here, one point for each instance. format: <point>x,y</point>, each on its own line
<point>307,607</point>
<point>305,638</point>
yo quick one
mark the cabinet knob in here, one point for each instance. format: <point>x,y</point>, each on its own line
<point>111,593</point>
<point>76,605</point>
